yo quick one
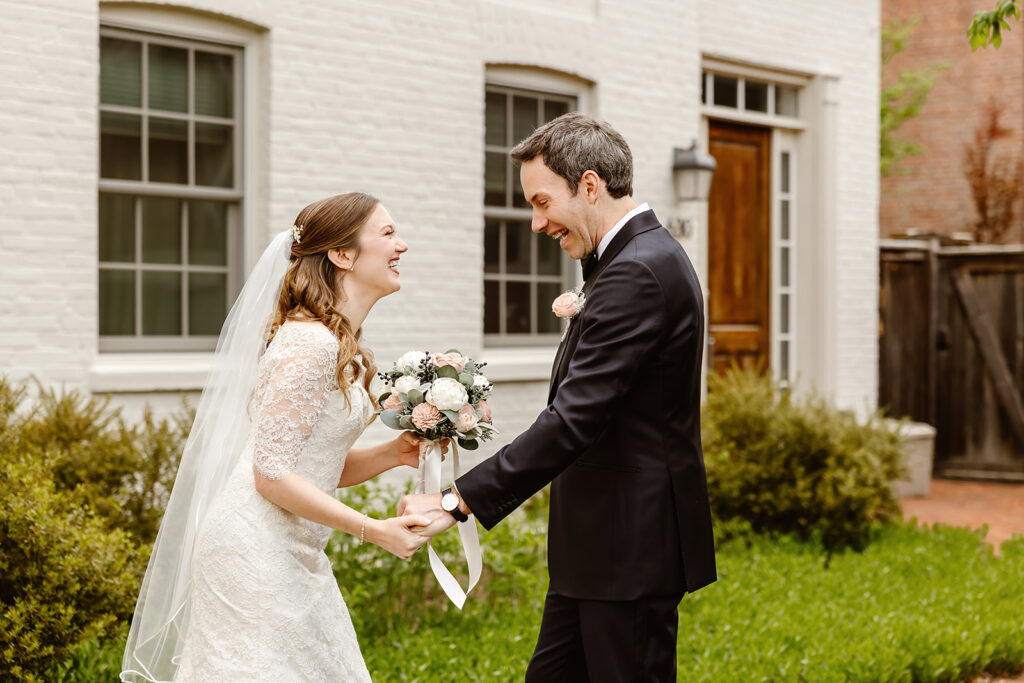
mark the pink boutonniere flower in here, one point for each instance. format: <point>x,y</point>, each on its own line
<point>568,304</point>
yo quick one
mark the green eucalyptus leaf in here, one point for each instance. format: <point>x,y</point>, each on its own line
<point>447,371</point>
<point>468,445</point>
<point>454,351</point>
<point>405,422</point>
<point>451,415</point>
<point>471,434</point>
<point>466,379</point>
<point>391,418</point>
<point>414,397</point>
<point>383,397</point>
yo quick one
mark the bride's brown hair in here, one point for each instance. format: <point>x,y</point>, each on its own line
<point>312,284</point>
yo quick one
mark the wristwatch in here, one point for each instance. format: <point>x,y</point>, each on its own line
<point>450,504</point>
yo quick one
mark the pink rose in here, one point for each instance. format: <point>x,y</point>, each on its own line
<point>426,416</point>
<point>392,402</point>
<point>566,305</point>
<point>467,419</point>
<point>452,359</point>
<point>485,411</point>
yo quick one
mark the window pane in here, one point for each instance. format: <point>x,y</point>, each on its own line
<point>784,172</point>
<point>785,101</point>
<point>215,89</point>
<point>494,178</point>
<point>120,146</point>
<point>518,198</point>
<point>168,150</point>
<point>517,247</point>
<point>784,359</point>
<point>496,117</point>
<point>161,230</point>
<point>553,109</point>
<point>117,228</point>
<point>755,95</point>
<point>784,314</point>
<point>704,88</point>
<point>117,302</point>
<point>549,256</point>
<point>524,117</point>
<point>207,233</point>
<point>517,307</point>
<point>547,322</point>
<point>214,151</point>
<point>492,310</point>
<point>492,246</point>
<point>120,72</point>
<point>784,266</point>
<point>725,91</point>
<point>161,303</point>
<point>207,302</point>
<point>168,78</point>
<point>784,219</point>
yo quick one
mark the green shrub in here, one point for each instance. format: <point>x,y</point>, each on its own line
<point>123,472</point>
<point>64,576</point>
<point>786,465</point>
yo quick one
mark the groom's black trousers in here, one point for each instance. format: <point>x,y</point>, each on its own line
<point>600,640</point>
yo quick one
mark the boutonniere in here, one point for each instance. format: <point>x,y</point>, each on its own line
<point>568,305</point>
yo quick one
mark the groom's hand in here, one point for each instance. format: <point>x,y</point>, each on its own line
<point>427,505</point>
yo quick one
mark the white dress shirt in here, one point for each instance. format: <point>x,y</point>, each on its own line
<point>607,239</point>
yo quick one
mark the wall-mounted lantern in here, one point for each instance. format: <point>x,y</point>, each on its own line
<point>691,173</point>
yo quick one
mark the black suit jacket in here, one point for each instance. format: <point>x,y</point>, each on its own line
<point>620,437</point>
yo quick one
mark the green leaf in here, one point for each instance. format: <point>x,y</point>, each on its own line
<point>451,415</point>
<point>390,418</point>
<point>383,397</point>
<point>466,379</point>
<point>447,371</point>
<point>468,445</point>
<point>454,351</point>
<point>414,397</point>
<point>405,422</point>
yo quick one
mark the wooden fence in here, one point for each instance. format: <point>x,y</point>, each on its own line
<point>951,351</point>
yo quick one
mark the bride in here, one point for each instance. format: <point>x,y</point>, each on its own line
<point>238,586</point>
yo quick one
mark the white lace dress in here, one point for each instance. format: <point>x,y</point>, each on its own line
<point>265,603</point>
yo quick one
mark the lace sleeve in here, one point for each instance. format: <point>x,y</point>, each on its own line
<point>292,399</point>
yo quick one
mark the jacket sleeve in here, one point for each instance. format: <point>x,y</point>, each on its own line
<point>623,320</point>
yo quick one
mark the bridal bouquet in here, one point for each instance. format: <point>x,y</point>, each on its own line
<point>438,396</point>
<point>441,396</point>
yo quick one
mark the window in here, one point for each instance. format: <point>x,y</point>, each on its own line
<point>749,95</point>
<point>522,273</point>
<point>785,270</point>
<point>169,190</point>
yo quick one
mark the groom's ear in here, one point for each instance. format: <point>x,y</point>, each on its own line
<point>591,185</point>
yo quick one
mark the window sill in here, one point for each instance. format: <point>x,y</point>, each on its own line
<point>138,372</point>
<point>519,365</point>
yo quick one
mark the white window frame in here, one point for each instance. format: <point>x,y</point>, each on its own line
<point>187,370</point>
<point>784,247</point>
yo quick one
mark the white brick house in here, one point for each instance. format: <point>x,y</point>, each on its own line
<point>150,150</point>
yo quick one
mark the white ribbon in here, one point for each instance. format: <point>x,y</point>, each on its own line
<point>430,482</point>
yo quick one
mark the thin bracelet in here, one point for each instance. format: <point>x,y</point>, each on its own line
<point>362,529</point>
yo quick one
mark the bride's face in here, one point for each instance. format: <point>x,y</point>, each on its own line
<point>376,267</point>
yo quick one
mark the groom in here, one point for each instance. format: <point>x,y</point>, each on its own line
<point>619,441</point>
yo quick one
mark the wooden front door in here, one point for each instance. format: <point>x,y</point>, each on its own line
<point>739,246</point>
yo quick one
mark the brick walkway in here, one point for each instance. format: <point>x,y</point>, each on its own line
<point>971,504</point>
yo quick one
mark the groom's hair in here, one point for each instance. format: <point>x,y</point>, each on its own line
<point>575,143</point>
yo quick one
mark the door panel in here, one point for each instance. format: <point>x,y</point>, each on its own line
<point>739,246</point>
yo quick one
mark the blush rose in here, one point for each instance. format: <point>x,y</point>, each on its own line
<point>426,416</point>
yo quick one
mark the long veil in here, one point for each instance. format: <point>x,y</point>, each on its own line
<point>213,447</point>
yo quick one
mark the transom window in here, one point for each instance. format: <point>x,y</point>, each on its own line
<point>748,94</point>
<point>523,273</point>
<point>169,190</point>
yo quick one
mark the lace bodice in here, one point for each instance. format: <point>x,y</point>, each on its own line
<point>301,422</point>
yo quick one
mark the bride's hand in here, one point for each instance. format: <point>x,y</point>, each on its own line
<point>407,448</point>
<point>394,535</point>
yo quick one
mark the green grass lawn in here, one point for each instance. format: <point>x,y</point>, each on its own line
<point>915,606</point>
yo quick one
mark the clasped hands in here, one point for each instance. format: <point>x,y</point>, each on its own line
<point>424,505</point>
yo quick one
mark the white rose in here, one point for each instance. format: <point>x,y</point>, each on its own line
<point>483,386</point>
<point>406,383</point>
<point>410,362</point>
<point>447,394</point>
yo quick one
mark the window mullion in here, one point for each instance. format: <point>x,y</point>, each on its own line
<point>138,267</point>
<point>144,105</point>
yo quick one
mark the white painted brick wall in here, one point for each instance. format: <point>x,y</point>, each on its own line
<point>388,98</point>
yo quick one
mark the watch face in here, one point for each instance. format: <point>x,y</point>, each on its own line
<point>449,502</point>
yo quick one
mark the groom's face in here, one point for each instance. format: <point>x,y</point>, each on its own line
<point>557,212</point>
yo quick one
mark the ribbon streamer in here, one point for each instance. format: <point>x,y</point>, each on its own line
<point>430,482</point>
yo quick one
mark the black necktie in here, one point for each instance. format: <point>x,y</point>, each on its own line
<point>589,264</point>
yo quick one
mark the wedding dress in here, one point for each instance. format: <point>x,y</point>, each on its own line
<point>265,605</point>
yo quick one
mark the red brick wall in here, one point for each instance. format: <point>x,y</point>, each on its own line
<point>934,195</point>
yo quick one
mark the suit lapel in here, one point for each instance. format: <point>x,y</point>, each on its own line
<point>637,225</point>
